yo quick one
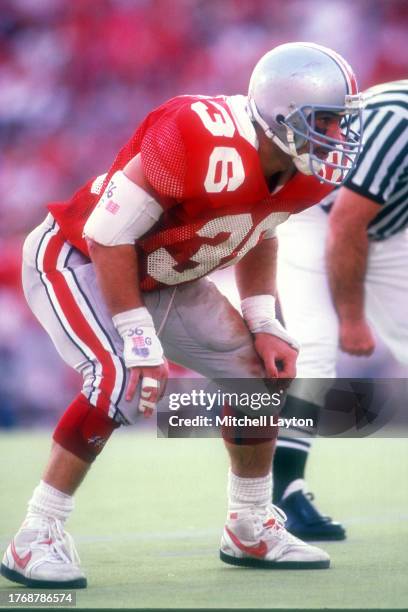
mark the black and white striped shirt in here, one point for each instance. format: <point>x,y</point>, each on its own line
<point>381,173</point>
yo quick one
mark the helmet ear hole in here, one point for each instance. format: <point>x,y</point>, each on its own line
<point>280,118</point>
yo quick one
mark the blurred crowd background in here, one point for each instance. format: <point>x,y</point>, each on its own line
<point>75,80</point>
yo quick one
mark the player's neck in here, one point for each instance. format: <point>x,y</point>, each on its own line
<point>277,166</point>
<point>279,179</point>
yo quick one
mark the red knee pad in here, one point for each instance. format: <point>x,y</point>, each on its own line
<point>247,435</point>
<point>83,430</point>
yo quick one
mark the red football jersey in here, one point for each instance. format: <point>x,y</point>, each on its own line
<point>200,155</point>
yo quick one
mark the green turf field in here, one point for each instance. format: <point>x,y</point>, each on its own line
<point>148,521</point>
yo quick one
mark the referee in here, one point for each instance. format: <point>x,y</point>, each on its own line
<point>343,272</point>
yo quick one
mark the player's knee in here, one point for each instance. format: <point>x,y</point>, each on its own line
<point>84,429</point>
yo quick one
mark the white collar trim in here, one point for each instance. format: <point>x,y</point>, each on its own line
<point>238,106</point>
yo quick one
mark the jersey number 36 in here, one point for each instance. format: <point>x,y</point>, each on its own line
<point>225,168</point>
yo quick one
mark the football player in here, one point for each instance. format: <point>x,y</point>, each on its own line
<point>117,278</point>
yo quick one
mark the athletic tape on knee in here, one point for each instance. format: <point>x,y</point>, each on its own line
<point>83,429</point>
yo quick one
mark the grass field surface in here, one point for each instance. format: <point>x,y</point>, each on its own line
<point>149,516</point>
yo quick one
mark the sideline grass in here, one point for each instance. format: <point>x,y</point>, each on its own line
<point>149,517</point>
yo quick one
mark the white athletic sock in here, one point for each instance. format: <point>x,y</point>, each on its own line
<point>244,492</point>
<point>49,502</point>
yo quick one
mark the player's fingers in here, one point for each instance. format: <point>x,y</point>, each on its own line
<point>288,369</point>
<point>161,374</point>
<point>149,395</point>
<point>132,384</point>
<point>286,366</point>
<point>271,367</point>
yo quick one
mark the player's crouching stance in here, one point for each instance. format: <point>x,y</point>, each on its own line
<point>202,184</point>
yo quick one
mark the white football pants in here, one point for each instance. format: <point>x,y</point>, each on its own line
<point>199,328</point>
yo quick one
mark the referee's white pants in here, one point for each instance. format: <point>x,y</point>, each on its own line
<point>199,327</point>
<point>306,301</point>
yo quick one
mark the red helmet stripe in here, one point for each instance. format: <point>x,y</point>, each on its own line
<point>349,74</point>
<point>352,87</point>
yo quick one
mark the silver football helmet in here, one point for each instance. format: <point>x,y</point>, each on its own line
<point>291,88</point>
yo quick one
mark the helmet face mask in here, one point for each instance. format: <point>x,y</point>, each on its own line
<point>338,152</point>
<point>291,89</point>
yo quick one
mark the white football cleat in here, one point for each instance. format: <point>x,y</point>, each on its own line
<point>43,555</point>
<point>256,537</point>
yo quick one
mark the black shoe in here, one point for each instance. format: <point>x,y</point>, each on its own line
<point>305,521</point>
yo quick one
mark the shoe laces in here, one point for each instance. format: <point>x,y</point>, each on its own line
<point>56,543</point>
<point>270,519</point>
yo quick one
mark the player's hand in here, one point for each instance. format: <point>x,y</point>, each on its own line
<point>153,380</point>
<point>143,357</point>
<point>278,357</point>
<point>356,338</point>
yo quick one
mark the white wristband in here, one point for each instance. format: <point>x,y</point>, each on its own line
<point>141,344</point>
<point>259,313</point>
<point>258,310</point>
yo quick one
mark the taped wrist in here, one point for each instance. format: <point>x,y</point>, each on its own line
<point>141,346</point>
<point>259,314</point>
<point>258,310</point>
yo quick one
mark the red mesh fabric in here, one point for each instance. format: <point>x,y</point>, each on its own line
<point>164,158</point>
<point>159,140</point>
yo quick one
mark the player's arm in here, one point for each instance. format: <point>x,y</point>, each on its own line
<point>256,281</point>
<point>346,254</point>
<point>116,264</point>
<point>255,273</point>
<point>126,211</point>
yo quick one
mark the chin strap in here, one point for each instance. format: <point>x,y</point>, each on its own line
<point>302,161</point>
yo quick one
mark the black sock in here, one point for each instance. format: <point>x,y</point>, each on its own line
<point>288,465</point>
<point>291,452</point>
